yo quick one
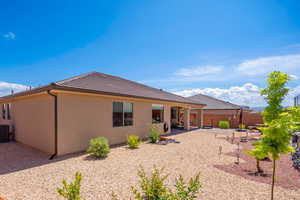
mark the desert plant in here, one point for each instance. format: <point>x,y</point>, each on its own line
<point>242,126</point>
<point>99,147</point>
<point>154,133</point>
<point>224,124</point>
<point>71,191</point>
<point>187,191</point>
<point>114,196</point>
<point>154,187</point>
<point>133,141</point>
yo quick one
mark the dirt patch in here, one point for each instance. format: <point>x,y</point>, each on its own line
<point>286,176</point>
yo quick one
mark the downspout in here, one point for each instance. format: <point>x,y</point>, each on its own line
<point>55,124</point>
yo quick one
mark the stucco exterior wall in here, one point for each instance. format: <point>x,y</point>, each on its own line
<point>33,121</point>
<point>83,117</point>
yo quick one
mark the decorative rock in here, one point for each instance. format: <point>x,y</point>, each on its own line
<point>165,142</point>
<point>296,159</point>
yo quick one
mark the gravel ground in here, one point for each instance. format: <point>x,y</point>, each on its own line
<point>286,175</point>
<point>30,176</point>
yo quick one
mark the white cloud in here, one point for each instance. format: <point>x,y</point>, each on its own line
<point>262,66</point>
<point>198,71</point>
<point>6,88</point>
<point>247,94</point>
<point>294,77</point>
<point>253,70</point>
<point>207,73</point>
<point>10,36</point>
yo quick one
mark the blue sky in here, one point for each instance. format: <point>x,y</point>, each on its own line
<point>220,48</point>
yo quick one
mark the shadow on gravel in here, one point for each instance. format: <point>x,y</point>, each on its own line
<point>15,157</point>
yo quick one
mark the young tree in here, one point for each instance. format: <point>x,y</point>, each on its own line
<point>280,122</point>
<point>258,153</point>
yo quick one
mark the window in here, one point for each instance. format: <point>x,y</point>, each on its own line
<point>6,111</point>
<point>122,114</point>
<point>128,115</point>
<point>157,113</point>
<point>3,111</point>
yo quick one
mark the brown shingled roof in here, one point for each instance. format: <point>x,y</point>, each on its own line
<point>213,103</point>
<point>101,83</point>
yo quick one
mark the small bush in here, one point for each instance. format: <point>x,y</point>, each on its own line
<point>71,191</point>
<point>187,191</point>
<point>99,147</point>
<point>154,134</point>
<point>153,187</point>
<point>224,124</point>
<point>242,126</point>
<point>133,141</point>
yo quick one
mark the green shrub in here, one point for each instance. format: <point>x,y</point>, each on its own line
<point>224,124</point>
<point>187,191</point>
<point>242,126</point>
<point>99,147</point>
<point>153,187</point>
<point>133,141</point>
<point>154,134</point>
<point>71,191</point>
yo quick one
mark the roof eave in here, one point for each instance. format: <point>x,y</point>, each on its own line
<point>73,89</point>
<point>29,92</point>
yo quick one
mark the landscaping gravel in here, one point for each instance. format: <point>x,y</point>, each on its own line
<point>27,174</point>
<point>286,175</point>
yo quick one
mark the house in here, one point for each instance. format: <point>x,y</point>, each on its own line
<point>62,117</point>
<point>217,110</point>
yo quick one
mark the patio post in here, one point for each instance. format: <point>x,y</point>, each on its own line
<point>199,118</point>
<point>187,118</point>
<point>202,118</point>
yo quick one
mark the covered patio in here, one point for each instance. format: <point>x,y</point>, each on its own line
<point>185,119</point>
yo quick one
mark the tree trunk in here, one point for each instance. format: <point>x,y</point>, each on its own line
<point>273,178</point>
<point>259,170</point>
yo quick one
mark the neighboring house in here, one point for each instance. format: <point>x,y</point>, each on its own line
<point>297,100</point>
<point>217,110</point>
<point>62,117</point>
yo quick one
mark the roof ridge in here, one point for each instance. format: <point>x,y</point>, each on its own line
<point>135,82</point>
<point>156,88</point>
<point>74,78</point>
<point>217,99</point>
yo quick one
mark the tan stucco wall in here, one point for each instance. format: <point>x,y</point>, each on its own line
<point>82,117</point>
<point>33,121</point>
